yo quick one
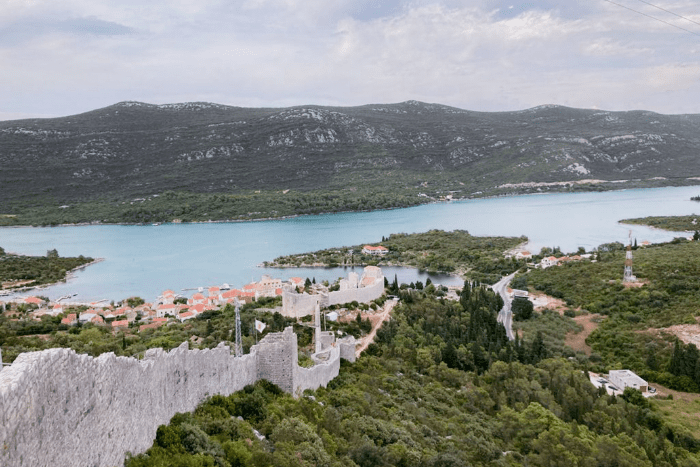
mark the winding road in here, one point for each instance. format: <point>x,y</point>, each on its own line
<point>505,316</point>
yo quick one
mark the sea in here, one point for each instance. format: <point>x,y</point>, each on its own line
<point>144,260</point>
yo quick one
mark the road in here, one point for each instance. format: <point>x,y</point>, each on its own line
<point>505,316</point>
<point>378,321</point>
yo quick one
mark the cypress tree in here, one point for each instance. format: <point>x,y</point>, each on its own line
<point>675,366</point>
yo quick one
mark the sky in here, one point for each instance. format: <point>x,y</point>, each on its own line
<point>72,56</point>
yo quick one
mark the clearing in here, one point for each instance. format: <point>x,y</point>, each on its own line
<point>577,341</point>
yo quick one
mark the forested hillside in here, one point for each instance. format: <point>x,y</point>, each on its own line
<point>442,386</point>
<point>110,163</point>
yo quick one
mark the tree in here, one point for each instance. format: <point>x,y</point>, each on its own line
<point>522,309</point>
<point>696,236</point>
<point>53,254</point>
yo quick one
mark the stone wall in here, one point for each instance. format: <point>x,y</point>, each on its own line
<point>318,375</point>
<point>362,294</point>
<point>297,305</point>
<point>59,408</point>
<point>277,358</point>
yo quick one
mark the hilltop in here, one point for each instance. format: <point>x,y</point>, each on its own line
<point>133,150</point>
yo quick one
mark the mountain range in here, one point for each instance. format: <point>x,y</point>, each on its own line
<point>134,149</point>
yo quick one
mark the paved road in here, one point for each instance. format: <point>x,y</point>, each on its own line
<point>505,316</point>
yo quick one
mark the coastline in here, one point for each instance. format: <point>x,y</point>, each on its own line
<point>562,185</point>
<point>70,274</point>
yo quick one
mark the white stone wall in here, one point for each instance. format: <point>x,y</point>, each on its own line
<point>59,408</point>
<point>318,375</point>
<point>362,294</point>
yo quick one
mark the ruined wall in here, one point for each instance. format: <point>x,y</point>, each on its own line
<point>60,408</point>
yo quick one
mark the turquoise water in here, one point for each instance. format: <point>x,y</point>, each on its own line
<point>144,260</point>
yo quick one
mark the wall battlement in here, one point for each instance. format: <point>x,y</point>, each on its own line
<point>60,408</point>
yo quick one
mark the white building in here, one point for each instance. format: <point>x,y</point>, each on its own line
<point>627,379</point>
<point>374,250</point>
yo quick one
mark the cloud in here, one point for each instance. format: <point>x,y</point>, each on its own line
<point>481,55</point>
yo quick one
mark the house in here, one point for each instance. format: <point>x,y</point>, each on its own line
<point>33,301</point>
<point>374,250</point>
<point>70,320</point>
<point>186,315</point>
<point>196,299</point>
<point>523,255</point>
<point>549,261</point>
<point>166,309</point>
<point>86,317</point>
<point>627,379</point>
<point>97,320</point>
<point>154,325</point>
<point>122,325</point>
<point>56,310</point>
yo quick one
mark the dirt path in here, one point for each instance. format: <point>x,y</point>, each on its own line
<point>377,321</point>
<point>577,341</point>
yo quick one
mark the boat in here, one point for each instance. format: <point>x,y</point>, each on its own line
<point>225,286</point>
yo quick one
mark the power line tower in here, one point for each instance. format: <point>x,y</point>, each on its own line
<point>239,342</point>
<point>628,277</point>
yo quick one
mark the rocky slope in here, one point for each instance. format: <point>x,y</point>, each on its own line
<point>134,149</point>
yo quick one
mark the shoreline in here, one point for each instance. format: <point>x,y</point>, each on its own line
<point>431,201</point>
<point>70,274</point>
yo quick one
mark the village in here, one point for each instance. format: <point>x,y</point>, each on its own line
<point>300,298</point>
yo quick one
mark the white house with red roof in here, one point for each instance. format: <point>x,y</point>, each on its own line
<point>33,301</point>
<point>374,250</point>
<point>70,320</point>
<point>549,261</point>
<point>166,309</point>
<point>186,315</point>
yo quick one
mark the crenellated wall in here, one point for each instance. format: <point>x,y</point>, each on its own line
<point>59,408</point>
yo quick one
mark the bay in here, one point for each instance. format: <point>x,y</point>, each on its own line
<point>145,260</point>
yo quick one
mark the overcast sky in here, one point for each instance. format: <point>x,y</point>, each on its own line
<point>70,56</point>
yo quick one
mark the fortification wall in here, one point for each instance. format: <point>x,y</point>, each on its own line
<point>318,375</point>
<point>362,295</point>
<point>297,305</point>
<point>277,357</point>
<point>59,408</point>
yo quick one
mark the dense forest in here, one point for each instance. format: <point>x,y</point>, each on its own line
<point>436,251</point>
<point>632,333</point>
<point>36,270</point>
<point>180,206</point>
<point>441,386</point>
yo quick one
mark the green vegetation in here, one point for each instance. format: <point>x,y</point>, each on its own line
<point>406,402</point>
<point>437,251</point>
<point>18,270</point>
<point>205,331</point>
<point>667,293</point>
<point>203,207</point>
<point>673,223</point>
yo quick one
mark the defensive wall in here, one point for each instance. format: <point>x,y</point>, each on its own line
<point>59,408</point>
<point>297,305</point>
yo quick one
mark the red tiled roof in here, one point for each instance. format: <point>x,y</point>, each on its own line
<point>122,323</point>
